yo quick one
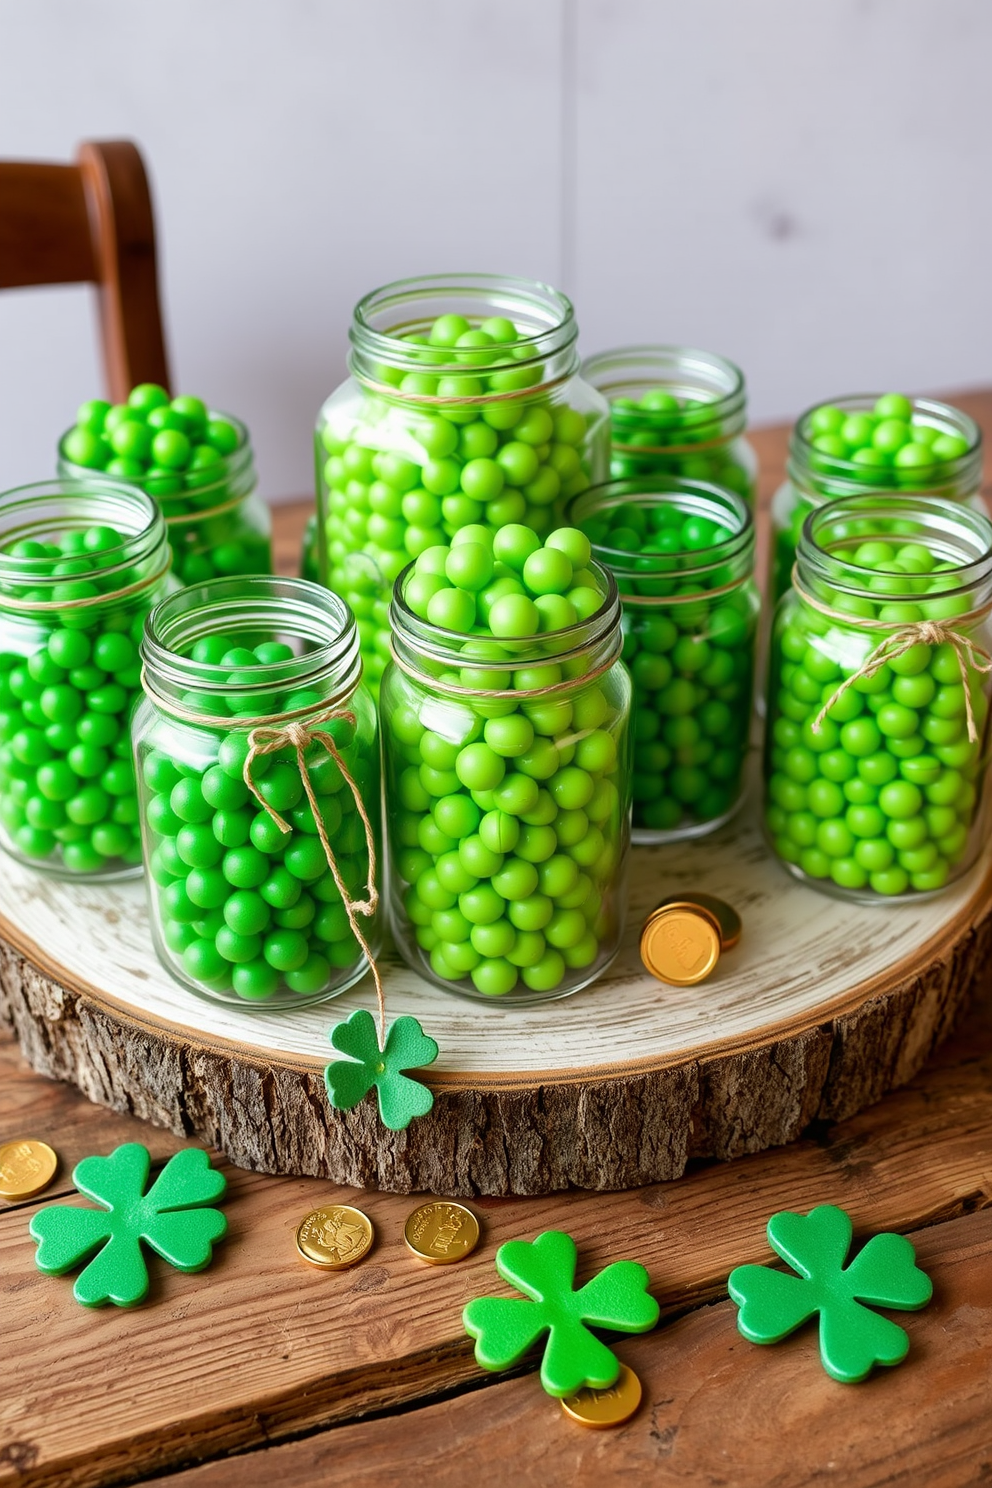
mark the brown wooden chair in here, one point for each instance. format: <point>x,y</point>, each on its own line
<point>91,223</point>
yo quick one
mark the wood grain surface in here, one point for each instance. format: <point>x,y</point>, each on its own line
<point>364,1377</point>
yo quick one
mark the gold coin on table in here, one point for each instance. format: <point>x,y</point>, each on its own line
<point>335,1238</point>
<point>680,944</point>
<point>26,1167</point>
<point>726,916</point>
<point>602,1408</point>
<point>441,1233</point>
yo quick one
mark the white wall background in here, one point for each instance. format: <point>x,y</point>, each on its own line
<point>805,187</point>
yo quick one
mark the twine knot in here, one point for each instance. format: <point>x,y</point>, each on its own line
<point>298,734</point>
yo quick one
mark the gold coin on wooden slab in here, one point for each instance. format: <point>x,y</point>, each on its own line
<point>600,1409</point>
<point>26,1168</point>
<point>441,1233</point>
<point>335,1238</point>
<point>727,917</point>
<point>680,943</point>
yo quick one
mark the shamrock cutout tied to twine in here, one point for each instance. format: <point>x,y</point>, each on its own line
<point>852,1338</point>
<point>505,1328</point>
<point>172,1218</point>
<point>407,1046</point>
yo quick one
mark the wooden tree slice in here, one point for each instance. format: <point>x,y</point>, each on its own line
<point>822,1008</point>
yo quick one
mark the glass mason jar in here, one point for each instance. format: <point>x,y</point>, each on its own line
<point>464,405</point>
<point>815,475</point>
<point>244,903</point>
<point>514,888</point>
<point>81,564</point>
<point>678,412</point>
<point>682,553</point>
<point>217,523</point>
<point>875,775</point>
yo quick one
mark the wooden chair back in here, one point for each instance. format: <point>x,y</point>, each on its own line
<point>91,222</point>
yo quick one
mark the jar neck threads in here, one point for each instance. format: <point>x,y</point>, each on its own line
<point>715,389</point>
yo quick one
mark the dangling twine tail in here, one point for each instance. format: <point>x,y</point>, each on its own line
<point>925,632</point>
<point>299,735</point>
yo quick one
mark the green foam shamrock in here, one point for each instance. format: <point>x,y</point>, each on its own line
<point>852,1338</point>
<point>350,1080</point>
<point>505,1328</point>
<point>171,1218</point>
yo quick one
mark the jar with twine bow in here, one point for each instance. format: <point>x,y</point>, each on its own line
<point>877,730</point>
<point>217,524</point>
<point>81,565</point>
<point>256,747</point>
<point>819,470</point>
<point>677,412</point>
<point>682,553</point>
<point>464,405</point>
<point>507,765</point>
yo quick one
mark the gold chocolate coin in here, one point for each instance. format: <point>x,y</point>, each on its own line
<point>603,1408</point>
<point>335,1238</point>
<point>727,917</point>
<point>441,1233</point>
<point>26,1168</point>
<point>680,944</point>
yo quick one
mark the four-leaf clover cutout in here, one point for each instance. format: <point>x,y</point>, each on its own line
<point>171,1218</point>
<point>852,1338</point>
<point>544,1270</point>
<point>350,1080</point>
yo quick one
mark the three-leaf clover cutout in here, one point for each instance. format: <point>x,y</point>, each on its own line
<point>171,1218</point>
<point>544,1270</point>
<point>852,1338</point>
<point>349,1080</point>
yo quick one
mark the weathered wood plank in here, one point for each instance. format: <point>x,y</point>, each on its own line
<point>717,1411</point>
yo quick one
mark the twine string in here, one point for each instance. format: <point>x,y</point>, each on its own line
<point>299,735</point>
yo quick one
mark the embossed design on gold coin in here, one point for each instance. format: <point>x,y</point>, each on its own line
<point>335,1238</point>
<point>726,916</point>
<point>26,1167</point>
<point>441,1232</point>
<point>603,1408</point>
<point>680,944</point>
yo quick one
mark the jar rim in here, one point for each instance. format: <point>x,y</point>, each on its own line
<point>34,509</point>
<point>944,520</point>
<point>649,366</point>
<point>263,601</point>
<point>704,497</point>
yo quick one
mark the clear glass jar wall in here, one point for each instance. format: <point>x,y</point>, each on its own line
<point>508,864</point>
<point>676,412</point>
<point>942,458</point>
<point>874,788</point>
<point>464,405</point>
<point>218,525</point>
<point>242,910</point>
<point>682,553</point>
<point>81,564</point>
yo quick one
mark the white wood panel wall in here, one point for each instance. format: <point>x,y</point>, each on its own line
<point>805,187</point>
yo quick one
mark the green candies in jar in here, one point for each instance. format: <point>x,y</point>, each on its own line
<point>676,412</point>
<point>250,823</point>
<point>876,748</point>
<point>682,553</point>
<point>879,442</point>
<point>464,407</point>
<point>506,746</point>
<point>195,462</point>
<point>81,565</point>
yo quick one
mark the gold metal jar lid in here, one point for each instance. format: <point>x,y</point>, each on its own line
<point>684,936</point>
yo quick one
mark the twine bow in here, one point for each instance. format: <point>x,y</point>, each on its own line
<point>299,734</point>
<point>903,639</point>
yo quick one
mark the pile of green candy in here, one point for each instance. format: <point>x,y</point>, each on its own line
<point>67,789</point>
<point>179,452</point>
<point>650,435</point>
<point>509,815</point>
<point>406,477</point>
<point>241,907</point>
<point>883,797</point>
<point>692,664</point>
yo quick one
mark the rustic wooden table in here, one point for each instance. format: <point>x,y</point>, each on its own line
<point>262,1370</point>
